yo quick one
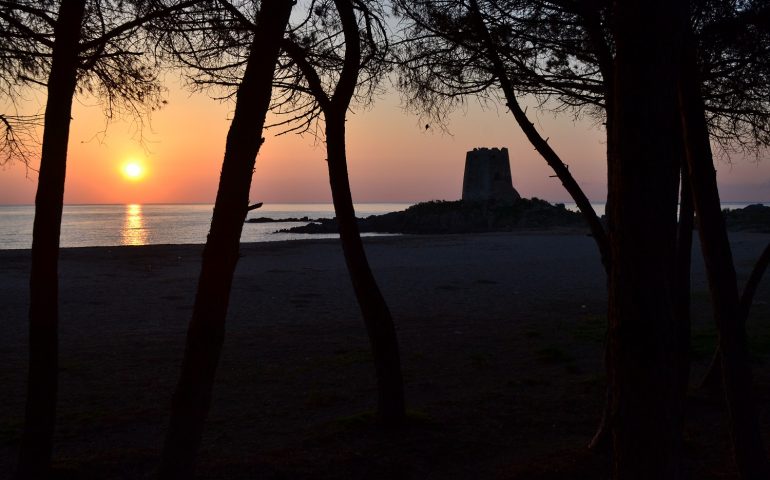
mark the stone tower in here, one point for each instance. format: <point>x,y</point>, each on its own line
<point>488,176</point>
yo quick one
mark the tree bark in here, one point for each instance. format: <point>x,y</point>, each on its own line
<point>391,408</point>
<point>40,415</point>
<point>748,445</point>
<point>205,335</point>
<point>643,186</point>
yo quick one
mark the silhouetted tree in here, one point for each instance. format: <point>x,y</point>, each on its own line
<point>359,23</point>
<point>734,40</point>
<point>220,255</point>
<point>728,53</point>
<point>336,54</point>
<point>69,47</point>
<point>643,184</point>
<point>19,138</point>
<point>750,453</point>
<point>564,54</point>
<point>454,49</point>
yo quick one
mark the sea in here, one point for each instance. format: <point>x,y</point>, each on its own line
<point>156,224</point>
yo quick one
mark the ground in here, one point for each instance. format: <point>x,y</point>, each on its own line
<point>501,341</point>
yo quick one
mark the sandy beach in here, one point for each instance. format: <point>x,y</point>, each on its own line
<point>501,342</point>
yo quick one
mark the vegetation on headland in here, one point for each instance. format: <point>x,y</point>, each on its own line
<point>753,218</point>
<point>456,216</point>
<point>442,216</point>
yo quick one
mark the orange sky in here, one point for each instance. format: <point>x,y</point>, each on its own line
<point>392,158</point>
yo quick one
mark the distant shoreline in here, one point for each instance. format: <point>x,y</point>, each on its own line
<point>177,224</point>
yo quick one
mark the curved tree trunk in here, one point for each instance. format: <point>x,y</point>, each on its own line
<point>713,378</point>
<point>541,145</point>
<point>749,449</point>
<point>205,335</point>
<point>40,416</point>
<point>379,322</point>
<point>391,408</point>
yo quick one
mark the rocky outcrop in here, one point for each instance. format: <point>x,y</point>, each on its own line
<point>753,218</point>
<point>460,217</point>
<point>274,220</point>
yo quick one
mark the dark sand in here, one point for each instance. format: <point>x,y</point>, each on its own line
<point>501,338</point>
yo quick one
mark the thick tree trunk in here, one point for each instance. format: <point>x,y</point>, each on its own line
<point>643,186</point>
<point>40,417</point>
<point>377,317</point>
<point>206,331</point>
<point>749,449</point>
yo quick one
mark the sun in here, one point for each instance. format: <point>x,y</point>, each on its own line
<point>133,170</point>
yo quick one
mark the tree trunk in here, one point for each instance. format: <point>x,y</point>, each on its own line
<point>379,322</point>
<point>40,416</point>
<point>683,273</point>
<point>713,379</point>
<point>749,449</point>
<point>541,145</point>
<point>205,335</point>
<point>643,187</point>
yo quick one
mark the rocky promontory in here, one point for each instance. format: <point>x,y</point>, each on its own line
<point>752,218</point>
<point>459,216</point>
<point>436,217</point>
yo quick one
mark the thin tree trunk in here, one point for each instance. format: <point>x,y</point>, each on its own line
<point>205,335</point>
<point>749,449</point>
<point>683,273</point>
<point>541,145</point>
<point>713,379</point>
<point>40,415</point>
<point>750,289</point>
<point>600,438</point>
<point>377,318</point>
<point>589,12</point>
<point>643,185</point>
<point>379,322</point>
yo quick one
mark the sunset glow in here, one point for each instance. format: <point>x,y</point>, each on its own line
<point>391,158</point>
<point>133,170</point>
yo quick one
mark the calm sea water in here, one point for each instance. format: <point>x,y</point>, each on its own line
<point>134,224</point>
<point>112,225</point>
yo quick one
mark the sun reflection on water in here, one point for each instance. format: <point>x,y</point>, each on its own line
<point>134,231</point>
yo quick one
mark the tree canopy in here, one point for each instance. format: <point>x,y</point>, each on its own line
<point>560,52</point>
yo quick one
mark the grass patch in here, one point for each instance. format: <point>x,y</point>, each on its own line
<point>759,343</point>
<point>481,361</point>
<point>346,358</point>
<point>595,380</point>
<point>758,331</point>
<point>417,356</point>
<point>573,369</point>
<point>10,432</point>
<point>554,355</point>
<point>319,399</point>
<point>368,418</point>
<point>360,419</point>
<point>702,343</point>
<point>529,382</point>
<point>591,328</point>
<point>532,334</point>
